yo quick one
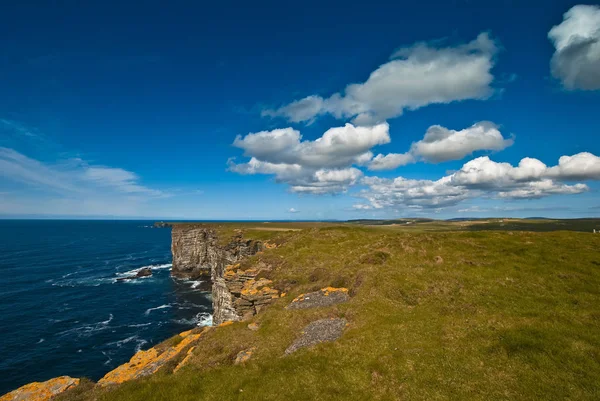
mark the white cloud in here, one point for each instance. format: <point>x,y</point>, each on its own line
<point>17,167</point>
<point>576,61</point>
<point>582,166</point>
<point>292,210</point>
<point>391,161</point>
<point>70,187</point>
<point>485,173</point>
<point>441,144</point>
<point>415,77</point>
<point>338,147</point>
<point>482,177</point>
<point>118,179</point>
<point>317,167</point>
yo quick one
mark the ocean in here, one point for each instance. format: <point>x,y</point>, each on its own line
<point>62,309</point>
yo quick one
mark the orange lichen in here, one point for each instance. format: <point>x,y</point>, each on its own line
<point>146,362</point>
<point>44,391</point>
<point>244,355</point>
<point>269,245</point>
<point>185,360</point>
<point>283,294</point>
<point>299,298</point>
<point>253,287</point>
<point>227,323</point>
<point>328,290</point>
<point>231,270</point>
<point>185,333</point>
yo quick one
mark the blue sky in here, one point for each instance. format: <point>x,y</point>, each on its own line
<point>213,111</point>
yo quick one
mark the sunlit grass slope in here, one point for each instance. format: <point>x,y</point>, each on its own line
<point>433,316</point>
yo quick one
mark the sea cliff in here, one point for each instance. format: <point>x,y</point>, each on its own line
<point>199,252</point>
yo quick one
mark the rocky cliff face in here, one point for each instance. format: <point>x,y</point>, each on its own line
<point>197,252</point>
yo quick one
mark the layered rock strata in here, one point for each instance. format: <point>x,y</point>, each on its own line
<point>197,252</point>
<point>237,294</point>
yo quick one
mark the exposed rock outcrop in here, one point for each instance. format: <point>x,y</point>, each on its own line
<point>145,363</point>
<point>43,391</point>
<point>247,294</point>
<point>324,297</point>
<point>237,294</point>
<point>198,253</point>
<point>145,272</point>
<point>244,355</point>
<point>319,331</point>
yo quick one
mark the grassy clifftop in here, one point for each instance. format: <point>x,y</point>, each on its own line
<point>486,315</point>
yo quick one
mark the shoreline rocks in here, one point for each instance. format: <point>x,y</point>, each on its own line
<point>147,362</point>
<point>145,272</point>
<point>43,391</point>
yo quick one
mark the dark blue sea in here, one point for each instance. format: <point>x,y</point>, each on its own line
<point>62,310</point>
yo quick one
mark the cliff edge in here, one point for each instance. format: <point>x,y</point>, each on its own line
<point>199,252</point>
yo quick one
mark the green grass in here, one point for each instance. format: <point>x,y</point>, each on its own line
<point>507,315</point>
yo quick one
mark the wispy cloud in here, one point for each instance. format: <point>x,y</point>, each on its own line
<point>70,176</point>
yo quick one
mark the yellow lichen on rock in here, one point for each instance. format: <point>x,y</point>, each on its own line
<point>254,287</point>
<point>269,245</point>
<point>231,270</point>
<point>144,363</point>
<point>299,298</point>
<point>185,360</point>
<point>185,333</point>
<point>244,355</point>
<point>43,391</point>
<point>324,297</point>
<point>227,323</point>
<point>328,290</point>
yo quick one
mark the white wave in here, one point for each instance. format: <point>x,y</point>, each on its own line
<point>196,284</point>
<point>41,341</point>
<point>91,282</point>
<point>140,344</point>
<point>109,360</point>
<point>139,325</point>
<point>105,322</point>
<point>88,329</point>
<point>204,319</point>
<point>201,319</point>
<point>120,343</point>
<point>157,308</point>
<point>135,271</point>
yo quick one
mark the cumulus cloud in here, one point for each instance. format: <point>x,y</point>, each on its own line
<point>582,166</point>
<point>339,146</point>
<point>415,77</point>
<point>391,161</point>
<point>318,167</point>
<point>293,210</point>
<point>482,177</point>
<point>576,61</point>
<point>441,144</point>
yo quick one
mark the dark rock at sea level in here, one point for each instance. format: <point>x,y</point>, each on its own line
<point>145,272</point>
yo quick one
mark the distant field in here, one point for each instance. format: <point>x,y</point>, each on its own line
<point>540,225</point>
<point>454,315</point>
